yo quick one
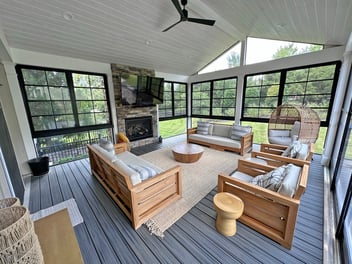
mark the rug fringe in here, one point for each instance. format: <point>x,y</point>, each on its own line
<point>153,228</point>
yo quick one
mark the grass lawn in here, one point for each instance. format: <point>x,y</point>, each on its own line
<point>170,128</point>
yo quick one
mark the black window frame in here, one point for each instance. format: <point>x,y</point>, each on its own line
<point>283,74</point>
<point>211,99</point>
<point>68,74</point>
<point>173,108</point>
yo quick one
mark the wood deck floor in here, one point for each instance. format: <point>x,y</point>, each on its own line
<point>106,235</point>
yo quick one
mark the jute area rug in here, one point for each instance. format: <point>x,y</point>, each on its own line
<point>198,179</point>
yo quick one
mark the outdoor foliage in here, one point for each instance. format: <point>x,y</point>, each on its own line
<point>175,97</point>
<point>311,86</point>
<point>52,105</point>
<point>214,98</point>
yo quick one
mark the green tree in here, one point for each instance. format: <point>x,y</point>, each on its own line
<point>286,51</point>
<point>233,59</point>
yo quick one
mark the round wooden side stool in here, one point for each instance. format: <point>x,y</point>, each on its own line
<point>228,207</point>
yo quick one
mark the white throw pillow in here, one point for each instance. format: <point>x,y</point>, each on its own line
<point>303,152</point>
<point>106,144</point>
<point>290,181</point>
<point>110,155</point>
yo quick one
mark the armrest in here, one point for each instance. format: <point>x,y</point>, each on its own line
<point>310,152</point>
<point>190,131</point>
<point>273,148</point>
<point>176,170</point>
<point>246,143</point>
<point>277,160</point>
<point>253,168</point>
<point>303,181</point>
<point>120,147</point>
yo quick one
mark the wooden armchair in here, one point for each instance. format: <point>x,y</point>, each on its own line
<point>271,154</point>
<point>268,212</point>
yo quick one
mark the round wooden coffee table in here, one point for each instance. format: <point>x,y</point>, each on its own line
<point>187,153</point>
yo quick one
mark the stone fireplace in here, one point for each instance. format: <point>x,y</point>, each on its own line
<point>139,128</point>
<point>124,112</point>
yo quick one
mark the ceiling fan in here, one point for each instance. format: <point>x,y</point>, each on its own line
<point>184,16</point>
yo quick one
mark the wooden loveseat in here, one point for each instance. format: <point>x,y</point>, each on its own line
<point>142,200</point>
<point>269,212</point>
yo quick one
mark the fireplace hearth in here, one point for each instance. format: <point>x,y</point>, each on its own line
<point>139,128</point>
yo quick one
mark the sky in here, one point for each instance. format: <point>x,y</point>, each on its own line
<point>259,50</point>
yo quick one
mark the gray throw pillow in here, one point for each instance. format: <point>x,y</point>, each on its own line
<point>106,144</point>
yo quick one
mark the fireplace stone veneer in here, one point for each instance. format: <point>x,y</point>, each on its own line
<point>123,111</point>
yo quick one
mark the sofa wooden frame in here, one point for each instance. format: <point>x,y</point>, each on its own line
<point>141,201</point>
<point>271,153</point>
<point>246,143</point>
<point>268,212</point>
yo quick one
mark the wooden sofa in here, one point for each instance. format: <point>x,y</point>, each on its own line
<point>140,201</point>
<point>244,144</point>
<point>268,212</point>
<point>271,154</point>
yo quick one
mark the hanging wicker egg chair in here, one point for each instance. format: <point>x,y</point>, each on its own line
<point>291,122</point>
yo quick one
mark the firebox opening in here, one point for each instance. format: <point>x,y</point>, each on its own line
<point>139,128</point>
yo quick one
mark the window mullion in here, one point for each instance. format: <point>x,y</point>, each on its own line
<point>211,98</point>
<point>283,75</point>
<point>344,211</point>
<point>173,99</point>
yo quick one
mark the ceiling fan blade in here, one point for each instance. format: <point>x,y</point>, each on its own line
<point>166,29</point>
<point>202,21</point>
<point>178,7</point>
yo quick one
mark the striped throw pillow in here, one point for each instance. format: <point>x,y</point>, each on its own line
<point>272,180</point>
<point>203,128</point>
<point>143,171</point>
<point>239,131</point>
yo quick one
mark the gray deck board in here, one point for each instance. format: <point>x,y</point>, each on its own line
<point>106,235</point>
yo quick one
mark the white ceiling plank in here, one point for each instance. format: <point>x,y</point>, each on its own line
<point>130,32</point>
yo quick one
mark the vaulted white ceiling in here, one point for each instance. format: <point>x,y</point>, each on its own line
<point>129,32</point>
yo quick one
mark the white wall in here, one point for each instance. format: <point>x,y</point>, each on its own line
<point>13,115</point>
